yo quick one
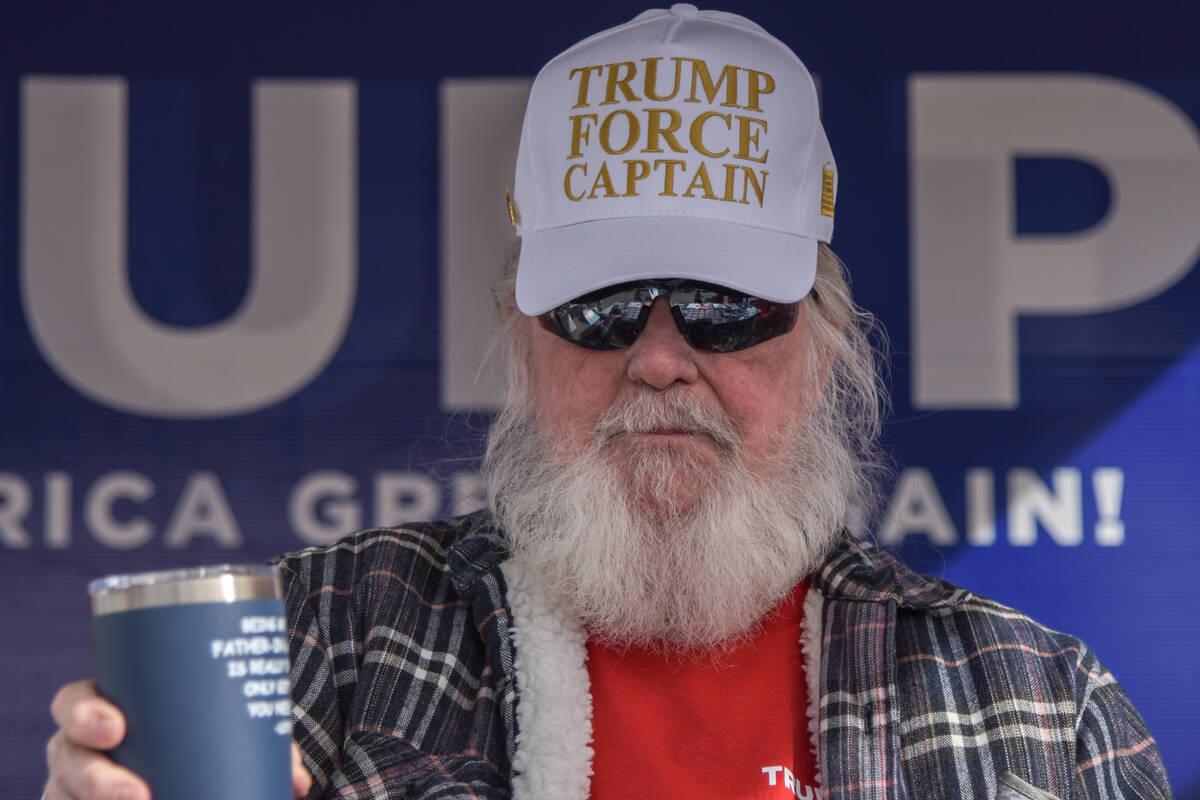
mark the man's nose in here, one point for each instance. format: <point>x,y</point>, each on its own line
<point>661,356</point>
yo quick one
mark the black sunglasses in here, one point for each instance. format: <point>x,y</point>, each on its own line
<point>709,317</point>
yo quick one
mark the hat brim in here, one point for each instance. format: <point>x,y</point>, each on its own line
<point>559,264</point>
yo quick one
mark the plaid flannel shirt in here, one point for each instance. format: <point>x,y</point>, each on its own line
<point>404,681</point>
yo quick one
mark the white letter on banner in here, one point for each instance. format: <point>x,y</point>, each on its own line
<point>972,276</point>
<point>981,507</point>
<point>916,507</point>
<point>340,508</point>
<point>1030,502</point>
<point>75,290</point>
<point>203,509</point>
<point>405,497</point>
<point>98,510</point>
<point>1108,483</point>
<point>16,498</point>
<point>57,530</point>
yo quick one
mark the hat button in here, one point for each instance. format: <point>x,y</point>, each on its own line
<point>685,10</point>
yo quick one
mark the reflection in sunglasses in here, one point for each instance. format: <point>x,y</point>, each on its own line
<point>709,317</point>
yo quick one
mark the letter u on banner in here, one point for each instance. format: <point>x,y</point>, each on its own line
<point>74,286</point>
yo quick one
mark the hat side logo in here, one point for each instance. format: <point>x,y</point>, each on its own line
<point>514,214</point>
<point>827,194</point>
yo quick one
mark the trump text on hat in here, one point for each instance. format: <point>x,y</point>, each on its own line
<point>715,145</point>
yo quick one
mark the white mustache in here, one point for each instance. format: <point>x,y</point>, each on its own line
<point>670,412</point>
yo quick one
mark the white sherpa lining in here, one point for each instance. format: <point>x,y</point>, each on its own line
<point>553,759</point>
<point>810,645</point>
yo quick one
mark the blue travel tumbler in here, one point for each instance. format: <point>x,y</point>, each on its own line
<point>197,660</point>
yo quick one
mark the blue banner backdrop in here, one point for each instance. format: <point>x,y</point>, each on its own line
<point>244,252</point>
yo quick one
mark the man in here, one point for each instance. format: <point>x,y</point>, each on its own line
<point>661,599</point>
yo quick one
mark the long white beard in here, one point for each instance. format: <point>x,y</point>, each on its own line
<point>657,546</point>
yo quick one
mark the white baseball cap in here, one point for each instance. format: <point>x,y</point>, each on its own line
<point>682,144</point>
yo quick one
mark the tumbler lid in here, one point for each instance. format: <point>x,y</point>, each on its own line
<point>220,583</point>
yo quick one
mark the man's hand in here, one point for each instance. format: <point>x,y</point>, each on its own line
<point>88,724</point>
<point>301,780</point>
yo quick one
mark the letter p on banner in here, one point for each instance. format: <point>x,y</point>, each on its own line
<point>972,275</point>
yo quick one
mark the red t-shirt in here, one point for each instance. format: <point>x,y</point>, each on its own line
<point>677,727</point>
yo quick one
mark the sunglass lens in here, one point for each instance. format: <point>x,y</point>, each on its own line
<point>723,321</point>
<point>601,321</point>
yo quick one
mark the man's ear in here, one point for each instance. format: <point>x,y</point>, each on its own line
<point>513,321</point>
<point>826,356</point>
<point>504,290</point>
<point>507,306</point>
<point>823,332</point>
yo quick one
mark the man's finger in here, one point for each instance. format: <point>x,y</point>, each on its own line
<point>301,779</point>
<point>55,792</point>
<point>84,774</point>
<point>87,718</point>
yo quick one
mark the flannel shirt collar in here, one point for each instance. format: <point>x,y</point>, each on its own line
<point>481,547</point>
<point>858,570</point>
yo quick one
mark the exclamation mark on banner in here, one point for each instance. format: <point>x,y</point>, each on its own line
<point>1109,484</point>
